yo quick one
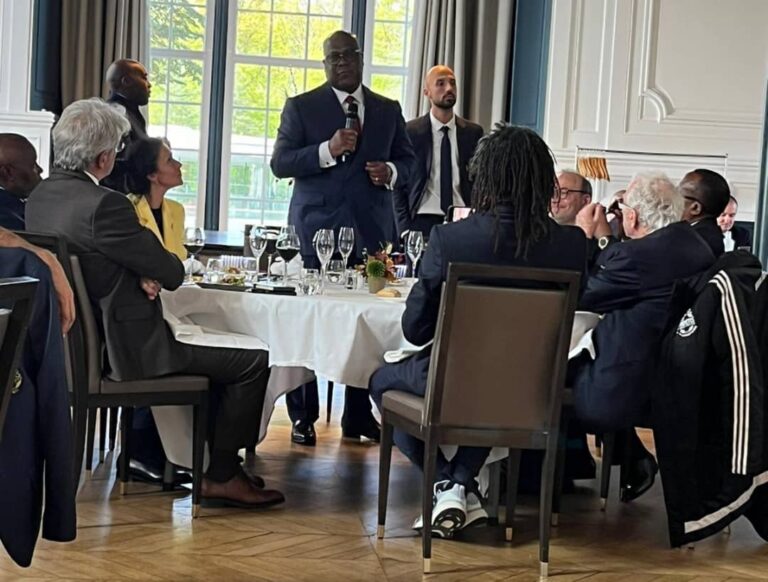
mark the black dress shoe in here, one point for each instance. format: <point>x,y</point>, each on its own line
<point>371,430</point>
<point>642,475</point>
<point>303,433</point>
<point>145,473</point>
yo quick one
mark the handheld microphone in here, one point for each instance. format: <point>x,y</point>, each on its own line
<point>350,122</point>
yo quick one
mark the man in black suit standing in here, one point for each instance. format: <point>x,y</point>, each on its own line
<point>705,195</point>
<point>443,143</point>
<point>739,236</point>
<point>514,177</point>
<point>125,267</point>
<point>129,86</point>
<point>346,149</point>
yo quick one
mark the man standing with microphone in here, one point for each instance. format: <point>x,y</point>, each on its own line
<point>346,149</point>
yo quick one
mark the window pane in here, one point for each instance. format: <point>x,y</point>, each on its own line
<point>156,118</point>
<point>315,78</point>
<point>188,28</point>
<point>284,82</point>
<point>320,28</point>
<point>388,44</point>
<point>391,9</point>
<point>253,33</point>
<point>329,7</point>
<point>289,36</point>
<point>253,4</point>
<point>248,122</point>
<point>160,28</point>
<point>291,6</point>
<point>250,86</point>
<point>185,78</point>
<point>187,192</point>
<point>183,116</point>
<point>388,85</point>
<point>158,75</point>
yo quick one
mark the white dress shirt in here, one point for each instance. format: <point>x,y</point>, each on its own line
<point>91,176</point>
<point>430,202</point>
<point>324,152</point>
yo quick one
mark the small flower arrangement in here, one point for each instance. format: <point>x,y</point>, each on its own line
<point>380,264</point>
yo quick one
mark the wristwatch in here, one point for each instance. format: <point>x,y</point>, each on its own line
<point>603,242</point>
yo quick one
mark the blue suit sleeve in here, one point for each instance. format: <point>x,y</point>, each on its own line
<point>423,304</point>
<point>614,284</point>
<point>292,157</point>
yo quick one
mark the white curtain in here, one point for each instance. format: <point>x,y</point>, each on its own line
<point>474,38</point>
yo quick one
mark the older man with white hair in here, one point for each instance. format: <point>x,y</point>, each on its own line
<point>631,286</point>
<point>125,266</point>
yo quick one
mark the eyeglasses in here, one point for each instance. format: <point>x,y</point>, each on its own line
<point>348,55</point>
<point>565,192</point>
<point>120,146</point>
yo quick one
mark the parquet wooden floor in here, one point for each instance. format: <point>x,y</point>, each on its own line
<point>326,531</point>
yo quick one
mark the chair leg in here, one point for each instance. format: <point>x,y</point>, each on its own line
<point>385,462</point>
<point>125,430</point>
<point>329,402</point>
<point>113,412</point>
<point>103,412</point>
<point>609,440</point>
<point>89,440</point>
<point>80,422</point>
<point>545,502</point>
<point>562,443</point>
<point>168,475</point>
<point>430,462</point>
<point>513,476</point>
<point>494,488</point>
<point>200,422</point>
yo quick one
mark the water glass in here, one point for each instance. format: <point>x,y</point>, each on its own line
<point>309,283</point>
<point>257,240</point>
<point>194,241</point>
<point>335,272</point>
<point>250,266</point>
<point>414,246</point>
<point>214,271</point>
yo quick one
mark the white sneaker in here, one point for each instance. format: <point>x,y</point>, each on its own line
<point>475,510</point>
<point>449,513</point>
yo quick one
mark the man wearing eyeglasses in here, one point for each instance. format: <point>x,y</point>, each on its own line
<point>574,193</point>
<point>706,194</point>
<point>346,148</point>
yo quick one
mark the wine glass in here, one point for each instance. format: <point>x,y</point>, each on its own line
<point>346,242</point>
<point>288,246</point>
<point>194,241</point>
<point>258,242</point>
<point>271,248</point>
<point>414,246</point>
<point>324,245</point>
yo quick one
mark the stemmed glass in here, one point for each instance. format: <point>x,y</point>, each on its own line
<point>414,246</point>
<point>346,242</point>
<point>194,241</point>
<point>288,246</point>
<point>324,245</point>
<point>270,249</point>
<point>258,242</point>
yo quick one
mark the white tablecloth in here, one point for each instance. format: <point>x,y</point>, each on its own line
<point>341,336</point>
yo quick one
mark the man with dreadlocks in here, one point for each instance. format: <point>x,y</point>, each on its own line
<point>514,177</point>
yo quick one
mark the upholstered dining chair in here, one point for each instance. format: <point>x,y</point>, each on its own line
<point>496,378</point>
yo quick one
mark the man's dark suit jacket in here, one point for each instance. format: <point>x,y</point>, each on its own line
<point>36,457</point>
<point>741,237</point>
<point>118,179</point>
<point>709,230</point>
<point>342,195</point>
<point>101,227</point>
<point>632,286</point>
<point>11,211</point>
<point>472,241</point>
<point>408,198</point>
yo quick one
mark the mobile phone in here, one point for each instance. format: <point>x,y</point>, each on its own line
<point>458,212</point>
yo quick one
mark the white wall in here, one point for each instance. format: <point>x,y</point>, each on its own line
<point>15,62</point>
<point>667,76</point>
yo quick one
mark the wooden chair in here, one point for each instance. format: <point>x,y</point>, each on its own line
<point>17,296</point>
<point>496,378</point>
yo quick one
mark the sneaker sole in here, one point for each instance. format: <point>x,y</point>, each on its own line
<point>447,522</point>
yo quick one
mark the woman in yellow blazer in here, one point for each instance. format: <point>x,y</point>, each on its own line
<point>152,172</point>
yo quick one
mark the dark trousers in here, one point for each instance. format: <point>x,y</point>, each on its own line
<point>146,446</point>
<point>238,385</point>
<point>303,404</point>
<point>411,376</point>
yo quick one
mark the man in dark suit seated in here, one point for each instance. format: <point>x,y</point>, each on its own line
<point>125,267</point>
<point>343,176</point>
<point>514,177</point>
<point>19,174</point>
<point>443,143</point>
<point>705,195</point>
<point>734,236</point>
<point>631,286</point>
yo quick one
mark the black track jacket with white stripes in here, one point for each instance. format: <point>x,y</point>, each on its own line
<point>708,405</point>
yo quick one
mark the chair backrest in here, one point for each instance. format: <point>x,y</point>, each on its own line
<point>501,348</point>
<point>17,295</point>
<point>92,355</point>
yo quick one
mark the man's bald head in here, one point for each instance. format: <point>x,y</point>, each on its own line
<point>129,78</point>
<point>19,172</point>
<point>440,87</point>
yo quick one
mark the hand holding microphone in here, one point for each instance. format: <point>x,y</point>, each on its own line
<point>344,141</point>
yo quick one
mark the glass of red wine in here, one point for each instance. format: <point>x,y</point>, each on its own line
<point>288,246</point>
<point>194,241</point>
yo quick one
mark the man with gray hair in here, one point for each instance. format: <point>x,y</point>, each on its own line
<point>631,287</point>
<point>125,267</point>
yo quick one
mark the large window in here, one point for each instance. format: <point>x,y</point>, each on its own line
<point>273,51</point>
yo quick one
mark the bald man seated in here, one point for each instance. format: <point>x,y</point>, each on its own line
<point>19,174</point>
<point>443,143</point>
<point>129,86</point>
<point>574,192</point>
